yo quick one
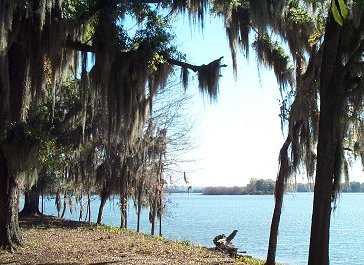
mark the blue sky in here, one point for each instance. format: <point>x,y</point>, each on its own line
<point>239,136</point>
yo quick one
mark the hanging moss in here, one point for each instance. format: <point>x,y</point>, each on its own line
<point>272,55</point>
<point>208,78</point>
<point>237,29</point>
<point>196,9</point>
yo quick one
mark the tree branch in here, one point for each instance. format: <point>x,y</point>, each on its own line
<point>192,67</point>
<point>79,46</point>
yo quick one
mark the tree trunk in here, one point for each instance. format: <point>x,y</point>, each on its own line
<point>123,209</point>
<point>139,209</point>
<point>103,198</point>
<point>89,206</point>
<point>152,215</point>
<point>139,212</point>
<point>279,192</point>
<point>10,236</point>
<point>42,192</point>
<point>160,215</point>
<point>31,203</point>
<point>124,197</point>
<point>139,199</point>
<point>81,207</point>
<point>64,204</point>
<point>331,102</point>
<point>12,109</point>
<point>158,193</point>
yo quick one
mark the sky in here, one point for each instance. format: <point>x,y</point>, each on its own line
<point>239,136</point>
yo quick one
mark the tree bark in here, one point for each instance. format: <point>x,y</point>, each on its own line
<point>331,102</point>
<point>139,205</point>
<point>10,236</point>
<point>157,195</point>
<point>279,192</point>
<point>160,214</point>
<point>124,197</point>
<point>152,215</point>
<point>89,206</point>
<point>105,194</point>
<point>31,203</point>
<point>64,204</point>
<point>139,212</point>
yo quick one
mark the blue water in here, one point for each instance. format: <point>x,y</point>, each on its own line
<point>199,218</point>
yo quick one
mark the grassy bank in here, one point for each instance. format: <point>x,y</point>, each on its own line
<point>55,241</point>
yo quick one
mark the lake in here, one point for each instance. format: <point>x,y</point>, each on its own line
<point>199,218</point>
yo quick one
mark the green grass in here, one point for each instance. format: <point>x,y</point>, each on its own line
<point>142,245</point>
<point>249,260</point>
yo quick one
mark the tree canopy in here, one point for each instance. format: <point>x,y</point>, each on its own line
<point>314,48</point>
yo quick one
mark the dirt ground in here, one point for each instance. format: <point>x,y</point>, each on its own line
<point>51,240</point>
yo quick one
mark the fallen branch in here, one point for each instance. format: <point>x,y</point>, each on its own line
<point>224,245</point>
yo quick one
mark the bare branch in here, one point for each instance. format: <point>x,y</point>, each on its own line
<point>195,68</point>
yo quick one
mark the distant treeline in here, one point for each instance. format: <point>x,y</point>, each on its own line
<point>352,186</point>
<point>184,189</point>
<point>260,186</point>
<point>255,186</point>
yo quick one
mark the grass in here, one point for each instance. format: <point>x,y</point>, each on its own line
<point>55,241</point>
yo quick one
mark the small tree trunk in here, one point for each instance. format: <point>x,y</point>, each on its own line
<point>31,203</point>
<point>152,214</point>
<point>124,197</point>
<point>42,201</point>
<point>139,210</point>
<point>279,192</point>
<point>81,207</point>
<point>140,190</point>
<point>9,206</point>
<point>157,194</point>
<point>273,236</point>
<point>160,215</point>
<point>105,194</point>
<point>89,206</point>
<point>123,209</point>
<point>64,204</point>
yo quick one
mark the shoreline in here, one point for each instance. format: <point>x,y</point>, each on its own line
<point>52,240</point>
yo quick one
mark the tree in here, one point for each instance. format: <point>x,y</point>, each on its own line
<point>39,37</point>
<point>324,47</point>
<point>31,202</point>
<point>321,66</point>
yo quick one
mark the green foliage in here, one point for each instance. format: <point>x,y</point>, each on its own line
<point>74,9</point>
<point>272,55</point>
<point>299,15</point>
<point>106,228</point>
<point>249,260</point>
<point>184,243</point>
<point>154,40</point>
<point>223,190</point>
<point>353,186</point>
<point>337,14</point>
<point>361,2</point>
<point>260,186</point>
<point>255,186</point>
<point>338,8</point>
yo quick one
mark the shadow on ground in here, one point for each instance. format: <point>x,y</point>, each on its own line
<point>46,221</point>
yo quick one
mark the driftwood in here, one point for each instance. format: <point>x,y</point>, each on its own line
<point>224,245</point>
